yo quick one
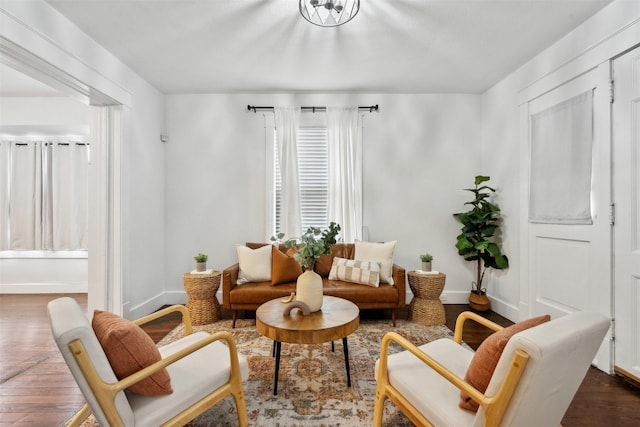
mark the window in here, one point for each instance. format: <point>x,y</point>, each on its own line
<point>43,194</point>
<point>561,161</point>
<point>313,169</point>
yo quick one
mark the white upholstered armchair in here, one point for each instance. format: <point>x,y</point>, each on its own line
<point>536,377</point>
<point>201,368</point>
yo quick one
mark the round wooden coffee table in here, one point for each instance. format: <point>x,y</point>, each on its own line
<point>337,319</point>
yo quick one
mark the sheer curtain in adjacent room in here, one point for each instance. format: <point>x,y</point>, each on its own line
<point>43,195</point>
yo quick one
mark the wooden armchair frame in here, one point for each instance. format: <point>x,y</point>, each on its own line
<point>105,393</point>
<point>494,406</point>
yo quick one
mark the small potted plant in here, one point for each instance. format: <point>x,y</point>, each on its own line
<point>426,259</point>
<point>201,262</point>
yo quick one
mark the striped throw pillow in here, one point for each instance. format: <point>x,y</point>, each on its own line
<point>355,271</point>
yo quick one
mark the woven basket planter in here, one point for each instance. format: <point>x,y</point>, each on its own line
<point>425,307</point>
<point>202,304</point>
<point>479,302</point>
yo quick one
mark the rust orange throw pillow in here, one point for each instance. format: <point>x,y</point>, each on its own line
<point>129,349</point>
<point>284,268</point>
<point>486,358</point>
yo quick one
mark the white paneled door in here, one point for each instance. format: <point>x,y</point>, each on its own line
<point>570,264</point>
<point>626,197</point>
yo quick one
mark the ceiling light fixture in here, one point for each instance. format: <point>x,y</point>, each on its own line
<point>329,13</point>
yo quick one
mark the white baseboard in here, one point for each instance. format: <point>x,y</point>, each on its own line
<point>455,297</point>
<point>44,288</point>
<point>146,307</point>
<point>505,310</point>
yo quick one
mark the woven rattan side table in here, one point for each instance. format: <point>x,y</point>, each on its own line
<point>202,304</point>
<point>425,307</point>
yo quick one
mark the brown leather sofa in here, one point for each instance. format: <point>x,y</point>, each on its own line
<point>249,296</point>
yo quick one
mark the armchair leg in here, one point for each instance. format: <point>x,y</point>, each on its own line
<point>241,407</point>
<point>233,320</point>
<point>79,416</point>
<point>393,316</point>
<point>378,410</point>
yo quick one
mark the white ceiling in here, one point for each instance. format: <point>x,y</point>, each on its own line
<point>429,46</point>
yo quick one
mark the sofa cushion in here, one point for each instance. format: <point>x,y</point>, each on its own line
<point>325,262</point>
<point>256,293</point>
<point>284,268</point>
<point>195,376</point>
<point>129,349</point>
<point>255,264</point>
<point>486,358</point>
<point>381,252</point>
<point>364,296</point>
<point>356,271</point>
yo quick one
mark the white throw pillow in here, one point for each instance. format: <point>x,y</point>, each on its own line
<point>381,252</point>
<point>355,271</point>
<point>255,264</point>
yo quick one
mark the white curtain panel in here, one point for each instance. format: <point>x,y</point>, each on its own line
<point>69,192</point>
<point>561,157</point>
<point>287,120</point>
<point>344,130</point>
<point>5,158</point>
<point>25,196</point>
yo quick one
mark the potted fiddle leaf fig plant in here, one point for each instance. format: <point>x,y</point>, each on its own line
<point>477,242</point>
<point>201,262</point>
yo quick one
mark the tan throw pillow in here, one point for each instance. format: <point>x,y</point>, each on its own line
<point>381,252</point>
<point>129,349</point>
<point>284,269</point>
<point>355,271</point>
<point>486,358</point>
<point>255,264</point>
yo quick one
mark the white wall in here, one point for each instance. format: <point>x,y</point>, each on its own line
<point>607,34</point>
<point>419,152</point>
<point>42,115</point>
<point>39,29</point>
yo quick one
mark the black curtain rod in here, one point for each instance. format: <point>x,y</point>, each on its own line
<point>255,109</point>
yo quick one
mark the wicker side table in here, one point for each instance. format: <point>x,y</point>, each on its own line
<point>425,307</point>
<point>202,304</point>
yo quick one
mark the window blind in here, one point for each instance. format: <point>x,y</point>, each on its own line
<point>313,170</point>
<point>561,157</point>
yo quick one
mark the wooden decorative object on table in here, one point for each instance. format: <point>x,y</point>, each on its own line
<point>202,303</point>
<point>426,307</point>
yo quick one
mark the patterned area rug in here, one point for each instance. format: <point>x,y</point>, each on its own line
<point>312,385</point>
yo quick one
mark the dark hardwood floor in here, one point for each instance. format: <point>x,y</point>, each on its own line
<point>36,388</point>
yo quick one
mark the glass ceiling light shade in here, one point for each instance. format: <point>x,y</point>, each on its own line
<point>329,13</point>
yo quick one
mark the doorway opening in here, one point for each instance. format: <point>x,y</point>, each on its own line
<point>105,130</point>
